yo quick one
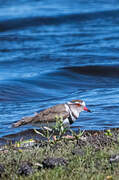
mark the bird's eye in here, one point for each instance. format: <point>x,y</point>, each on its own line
<point>78,104</point>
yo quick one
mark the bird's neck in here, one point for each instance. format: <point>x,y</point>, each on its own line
<point>73,111</point>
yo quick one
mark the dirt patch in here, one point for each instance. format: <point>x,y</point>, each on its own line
<point>25,168</point>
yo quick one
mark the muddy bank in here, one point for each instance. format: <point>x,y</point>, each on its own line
<point>91,135</point>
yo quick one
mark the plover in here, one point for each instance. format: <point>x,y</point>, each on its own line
<point>68,111</point>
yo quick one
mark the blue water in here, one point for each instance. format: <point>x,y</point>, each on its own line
<point>55,51</point>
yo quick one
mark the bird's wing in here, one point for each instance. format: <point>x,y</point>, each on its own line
<point>48,115</point>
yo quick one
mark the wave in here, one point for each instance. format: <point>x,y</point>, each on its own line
<point>17,23</point>
<point>96,70</point>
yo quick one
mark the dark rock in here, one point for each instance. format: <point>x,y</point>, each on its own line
<point>2,169</point>
<point>52,162</point>
<point>114,158</point>
<point>25,169</point>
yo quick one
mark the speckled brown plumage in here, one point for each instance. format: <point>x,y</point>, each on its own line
<point>48,115</point>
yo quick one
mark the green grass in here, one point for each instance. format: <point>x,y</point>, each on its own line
<point>91,164</point>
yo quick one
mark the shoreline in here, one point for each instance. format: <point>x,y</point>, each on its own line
<point>31,134</point>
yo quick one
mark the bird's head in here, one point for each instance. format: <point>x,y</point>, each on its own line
<point>80,104</point>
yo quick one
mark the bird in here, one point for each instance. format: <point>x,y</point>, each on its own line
<point>68,111</point>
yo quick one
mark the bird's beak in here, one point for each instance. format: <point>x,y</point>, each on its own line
<point>86,109</point>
